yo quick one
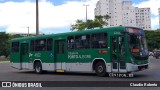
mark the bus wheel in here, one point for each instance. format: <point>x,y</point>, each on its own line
<point>100,69</point>
<point>38,67</point>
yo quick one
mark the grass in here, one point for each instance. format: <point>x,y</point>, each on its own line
<point>3,59</point>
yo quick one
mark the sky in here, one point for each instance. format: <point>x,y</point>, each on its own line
<point>55,16</point>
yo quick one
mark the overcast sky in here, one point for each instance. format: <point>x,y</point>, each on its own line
<point>55,16</point>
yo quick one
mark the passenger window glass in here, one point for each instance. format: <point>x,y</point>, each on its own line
<point>32,45</point>
<point>71,42</point>
<point>99,40</point>
<point>15,47</point>
<point>49,44</point>
<point>40,45</point>
<point>82,41</point>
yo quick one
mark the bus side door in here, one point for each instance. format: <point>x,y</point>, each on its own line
<point>60,50</point>
<point>118,54</point>
<point>24,55</point>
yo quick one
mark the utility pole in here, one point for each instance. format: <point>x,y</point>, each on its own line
<point>37,18</point>
<point>28,30</point>
<point>86,10</point>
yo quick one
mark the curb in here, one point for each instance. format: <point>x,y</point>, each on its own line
<point>4,61</point>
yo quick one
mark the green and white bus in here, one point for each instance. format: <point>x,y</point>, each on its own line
<point>106,50</point>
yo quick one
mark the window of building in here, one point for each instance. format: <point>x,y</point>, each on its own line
<point>15,47</point>
<point>99,40</point>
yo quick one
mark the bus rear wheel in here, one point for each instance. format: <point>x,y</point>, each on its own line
<point>38,67</point>
<point>100,69</point>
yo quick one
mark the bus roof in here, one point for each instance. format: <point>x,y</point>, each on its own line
<point>110,29</point>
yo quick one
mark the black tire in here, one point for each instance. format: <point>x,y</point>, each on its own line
<point>100,69</point>
<point>38,68</point>
<point>157,57</point>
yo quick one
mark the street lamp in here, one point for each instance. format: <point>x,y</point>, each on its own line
<point>86,10</point>
<point>28,29</point>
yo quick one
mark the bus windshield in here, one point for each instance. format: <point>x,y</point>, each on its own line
<point>138,45</point>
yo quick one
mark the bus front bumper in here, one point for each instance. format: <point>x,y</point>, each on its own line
<point>134,67</point>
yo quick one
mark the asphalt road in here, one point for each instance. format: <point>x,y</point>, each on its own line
<point>9,74</point>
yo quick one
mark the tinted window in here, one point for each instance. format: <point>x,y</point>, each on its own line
<point>49,44</point>
<point>82,41</point>
<point>40,45</point>
<point>32,45</point>
<point>71,42</point>
<point>99,40</point>
<point>15,47</point>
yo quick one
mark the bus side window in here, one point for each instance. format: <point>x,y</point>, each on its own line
<point>15,47</point>
<point>32,45</point>
<point>71,42</point>
<point>49,44</point>
<point>82,41</point>
<point>87,42</point>
<point>40,45</point>
<point>78,42</point>
<point>99,40</point>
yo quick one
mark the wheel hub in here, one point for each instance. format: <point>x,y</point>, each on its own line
<point>38,69</point>
<point>100,69</point>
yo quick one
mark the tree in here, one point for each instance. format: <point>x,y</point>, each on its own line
<point>5,43</point>
<point>153,39</point>
<point>99,21</point>
<point>80,25</point>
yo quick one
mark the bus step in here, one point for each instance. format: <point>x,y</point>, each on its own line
<point>59,70</point>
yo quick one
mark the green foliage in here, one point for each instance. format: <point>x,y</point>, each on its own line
<point>4,44</point>
<point>153,39</point>
<point>80,25</point>
<point>99,21</point>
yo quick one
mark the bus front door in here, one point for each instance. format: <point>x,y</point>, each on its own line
<point>24,55</point>
<point>118,54</point>
<point>60,55</point>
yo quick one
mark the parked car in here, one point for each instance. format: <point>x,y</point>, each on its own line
<point>156,54</point>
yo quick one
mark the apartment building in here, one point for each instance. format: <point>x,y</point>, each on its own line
<point>124,13</point>
<point>128,12</point>
<point>159,17</point>
<point>143,18</point>
<point>111,8</point>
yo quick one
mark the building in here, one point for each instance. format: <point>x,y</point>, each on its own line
<point>128,12</point>
<point>124,13</point>
<point>159,17</point>
<point>111,8</point>
<point>143,18</point>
